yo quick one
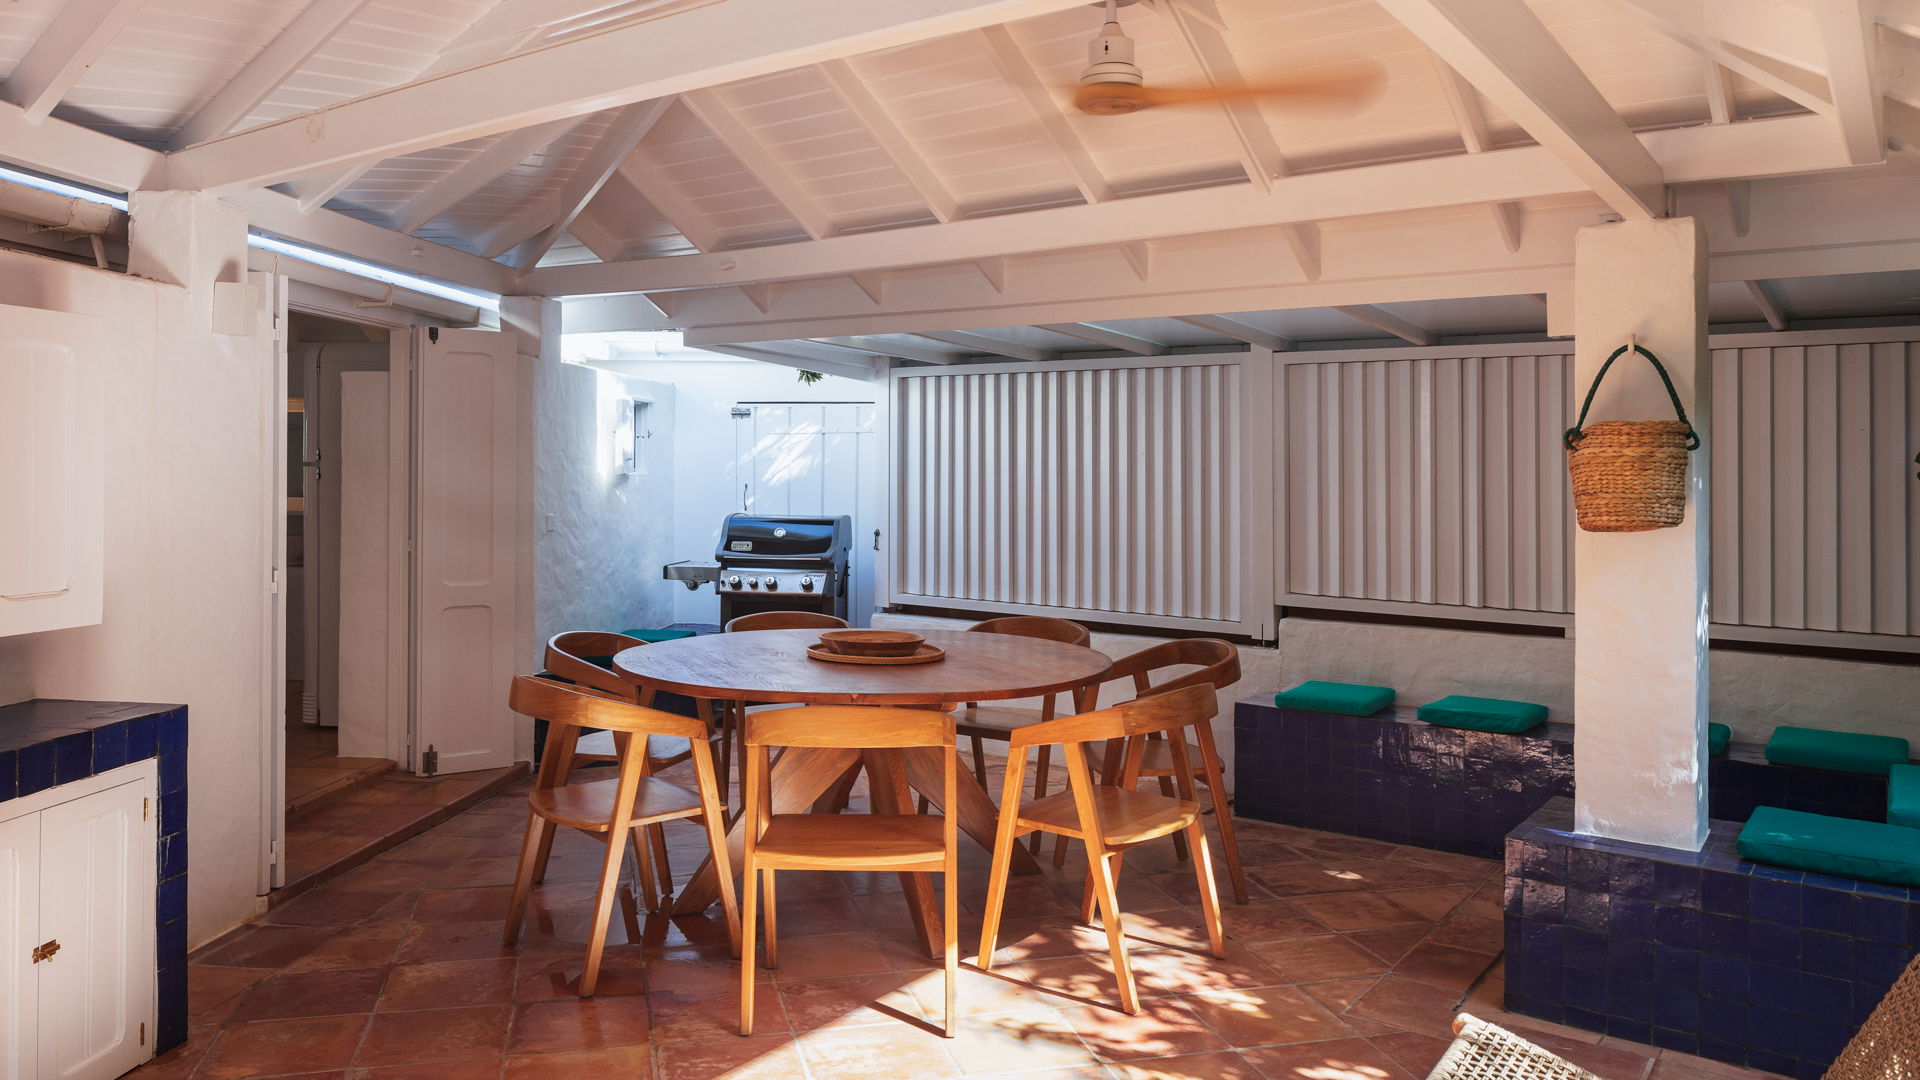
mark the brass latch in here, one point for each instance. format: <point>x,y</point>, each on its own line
<point>45,952</point>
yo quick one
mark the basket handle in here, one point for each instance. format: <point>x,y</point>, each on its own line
<point>1572,437</point>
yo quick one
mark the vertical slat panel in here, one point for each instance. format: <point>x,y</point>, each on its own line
<point>1789,424</point>
<point>1822,469</point>
<point>1855,481</point>
<point>1723,598</point>
<point>1892,476</point>
<point>1755,450</point>
<point>1910,456</point>
<point>1528,442</point>
<point>1496,483</point>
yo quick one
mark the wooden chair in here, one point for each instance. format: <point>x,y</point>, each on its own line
<point>784,620</point>
<point>888,839</point>
<point>1109,819</point>
<point>613,810</point>
<point>1219,667</point>
<point>997,723</point>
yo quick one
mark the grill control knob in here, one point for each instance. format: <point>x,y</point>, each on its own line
<point>806,583</point>
<point>733,581</point>
<point>772,583</point>
<point>753,583</point>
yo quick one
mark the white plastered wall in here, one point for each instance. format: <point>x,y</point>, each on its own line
<point>186,539</point>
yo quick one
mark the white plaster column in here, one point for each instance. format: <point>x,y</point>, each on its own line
<point>1640,599</point>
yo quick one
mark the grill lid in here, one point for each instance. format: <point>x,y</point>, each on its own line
<point>748,537</point>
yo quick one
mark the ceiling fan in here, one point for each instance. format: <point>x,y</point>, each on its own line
<point>1113,85</point>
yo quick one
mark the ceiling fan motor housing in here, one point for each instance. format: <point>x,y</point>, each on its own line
<point>1110,58</point>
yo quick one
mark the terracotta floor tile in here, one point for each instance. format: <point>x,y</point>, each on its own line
<point>612,1063</point>
<point>1336,1059</point>
<point>312,993</point>
<point>274,1047</point>
<point>1467,867</point>
<point>1073,980</point>
<point>1347,845</point>
<point>706,1016</point>
<point>1613,1059</point>
<point>477,872</point>
<point>1018,1042</point>
<point>262,946</point>
<point>824,956</point>
<point>579,1024</point>
<point>359,946</point>
<point>1262,1017</point>
<point>898,1053</point>
<point>1416,1053</point>
<point>1390,943</point>
<point>328,906</point>
<point>1443,965</point>
<point>1163,1026</point>
<point>1224,1065</point>
<point>759,1058</point>
<point>213,991</point>
<point>463,905</point>
<point>448,984</point>
<point>982,993</point>
<point>1383,874</point>
<point>544,976</point>
<point>1311,959</point>
<point>454,941</point>
<point>1359,911</point>
<point>1268,920</point>
<point>1411,1005</point>
<point>487,1068</point>
<point>1470,932</point>
<point>404,1038</point>
<point>180,1062</point>
<point>1305,879</point>
<point>695,968</point>
<point>1187,971</point>
<point>852,1001</point>
<point>1435,903</point>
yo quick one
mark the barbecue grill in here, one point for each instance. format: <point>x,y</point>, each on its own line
<point>775,564</point>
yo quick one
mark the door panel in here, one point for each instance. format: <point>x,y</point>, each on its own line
<point>466,497</point>
<point>808,459</point>
<point>19,933</point>
<point>96,900</point>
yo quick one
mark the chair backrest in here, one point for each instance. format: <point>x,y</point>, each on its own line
<point>1168,711</point>
<point>561,705</point>
<point>568,655</point>
<point>849,727</point>
<point>784,620</point>
<point>1218,661</point>
<point>1035,626</point>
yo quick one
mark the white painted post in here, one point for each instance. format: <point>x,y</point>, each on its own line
<point>1640,599</point>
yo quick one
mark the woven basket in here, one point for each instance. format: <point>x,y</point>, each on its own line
<point>1483,1051</point>
<point>1630,475</point>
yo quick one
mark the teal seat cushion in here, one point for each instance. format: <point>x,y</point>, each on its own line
<point>658,635</point>
<point>1843,751</point>
<point>1718,736</point>
<point>1903,796</point>
<point>1484,714</point>
<point>1843,847</point>
<point>1347,699</point>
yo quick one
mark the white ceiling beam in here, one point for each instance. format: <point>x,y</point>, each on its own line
<point>1381,319</point>
<point>766,353</point>
<point>1018,71</point>
<point>759,161</point>
<point>688,50</point>
<point>280,215</point>
<point>1112,339</point>
<point>877,347</point>
<point>1506,219</point>
<point>608,314</point>
<point>1705,153</point>
<point>64,51</point>
<point>873,284</point>
<point>893,142</point>
<point>58,148</point>
<point>1689,22</point>
<point>1769,307</point>
<point>1196,23</point>
<point>1719,83</point>
<point>980,343</point>
<point>588,229</point>
<point>640,171</point>
<point>624,132</point>
<point>285,54</point>
<point>1501,48</point>
<point>1471,120</point>
<point>1235,330</point>
<point>1901,15</point>
<point>478,171</point>
<point>1847,32</point>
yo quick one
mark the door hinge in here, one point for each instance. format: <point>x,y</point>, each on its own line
<point>45,952</point>
<point>273,582</point>
<point>430,761</point>
<point>146,807</point>
<point>741,412</point>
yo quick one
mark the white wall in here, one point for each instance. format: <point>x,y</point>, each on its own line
<point>600,536</point>
<point>186,538</point>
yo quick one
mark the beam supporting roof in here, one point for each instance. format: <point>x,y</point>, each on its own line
<point>876,347</point>
<point>1381,319</point>
<point>688,50</point>
<point>1772,29</point>
<point>980,343</point>
<point>628,127</point>
<point>1112,339</point>
<point>688,220</point>
<point>1847,30</point>
<point>1236,330</point>
<point>1018,70</point>
<point>1712,152</point>
<point>850,369</point>
<point>272,212</point>
<point>872,115</point>
<point>72,152</point>
<point>64,50</point>
<point>1501,48</point>
<point>1769,307</point>
<point>479,171</point>
<point>284,55</point>
<point>759,161</point>
<point>1471,119</point>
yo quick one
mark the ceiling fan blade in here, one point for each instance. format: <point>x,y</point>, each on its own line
<point>1350,87</point>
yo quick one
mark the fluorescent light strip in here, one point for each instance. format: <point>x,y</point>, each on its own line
<point>370,271</point>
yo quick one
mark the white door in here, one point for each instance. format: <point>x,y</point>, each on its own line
<point>816,459</point>
<point>271,331</point>
<point>19,935</point>
<point>466,401</point>
<point>96,900</point>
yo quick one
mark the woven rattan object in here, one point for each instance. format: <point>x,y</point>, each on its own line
<point>1481,1051</point>
<point>1630,475</point>
<point>1887,1046</point>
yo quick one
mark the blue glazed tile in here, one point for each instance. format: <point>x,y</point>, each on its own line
<point>1771,943</point>
<point>143,737</point>
<point>1542,943</point>
<point>1632,878</point>
<point>1879,918</point>
<point>1631,918</point>
<point>1624,1028</point>
<point>1589,870</point>
<point>1540,900</point>
<point>1677,969</point>
<point>1584,991</point>
<point>1877,964</point>
<point>173,730</point>
<point>173,813</point>
<point>1670,1039</point>
<point>36,768</point>
<point>1587,910</point>
<point>1632,959</point>
<point>1724,977</point>
<point>109,747</point>
<point>173,772</point>
<point>1774,988</point>
<point>1584,951</point>
<point>1877,888</point>
<point>173,855</point>
<point>1676,927</point>
<point>1767,1060</point>
<point>172,901</point>
<point>1724,1018</point>
<point>1826,998</point>
<point>1779,873</point>
<point>1723,934</point>
<point>1825,909</point>
<point>1630,998</point>
<point>1773,1030</point>
<point>1773,900</point>
<point>1676,885</point>
<point>1824,952</point>
<point>73,757</point>
<point>9,775</point>
<point>170,948</point>
<point>1724,894</point>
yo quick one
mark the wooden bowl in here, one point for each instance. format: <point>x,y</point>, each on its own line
<point>871,642</point>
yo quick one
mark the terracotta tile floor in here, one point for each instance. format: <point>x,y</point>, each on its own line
<point>315,769</point>
<point>1347,965</point>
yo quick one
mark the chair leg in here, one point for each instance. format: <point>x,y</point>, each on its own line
<point>539,835</point>
<point>749,898</point>
<point>1002,866</point>
<point>1179,838</point>
<point>950,932</point>
<point>1040,779</point>
<point>1209,892</point>
<point>629,914</point>
<point>773,932</point>
<point>979,761</point>
<point>657,836</point>
<point>602,915</point>
<point>1103,880</point>
<point>1088,891</point>
<point>541,856</point>
<point>643,867</point>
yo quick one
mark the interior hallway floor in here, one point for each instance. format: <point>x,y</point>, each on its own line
<point>315,769</point>
<point>1348,964</point>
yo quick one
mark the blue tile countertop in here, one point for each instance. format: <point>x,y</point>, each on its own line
<point>47,742</point>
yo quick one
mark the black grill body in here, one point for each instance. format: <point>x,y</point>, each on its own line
<point>783,564</point>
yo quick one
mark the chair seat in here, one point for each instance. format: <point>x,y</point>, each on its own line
<point>994,721</point>
<point>659,747</point>
<point>1157,759</point>
<point>590,806</point>
<point>851,841</point>
<point>1127,817</point>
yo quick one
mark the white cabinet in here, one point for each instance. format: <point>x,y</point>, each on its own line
<point>77,928</point>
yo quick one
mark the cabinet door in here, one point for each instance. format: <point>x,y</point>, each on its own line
<point>96,900</point>
<point>19,933</point>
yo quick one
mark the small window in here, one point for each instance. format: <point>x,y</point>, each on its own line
<point>632,435</point>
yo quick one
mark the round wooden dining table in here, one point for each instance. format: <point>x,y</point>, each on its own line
<point>772,666</point>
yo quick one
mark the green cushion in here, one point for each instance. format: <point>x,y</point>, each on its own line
<point>1844,847</point>
<point>1484,714</point>
<point>1903,796</point>
<point>658,635</point>
<point>1718,736</point>
<point>1844,751</point>
<point>1347,699</point>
